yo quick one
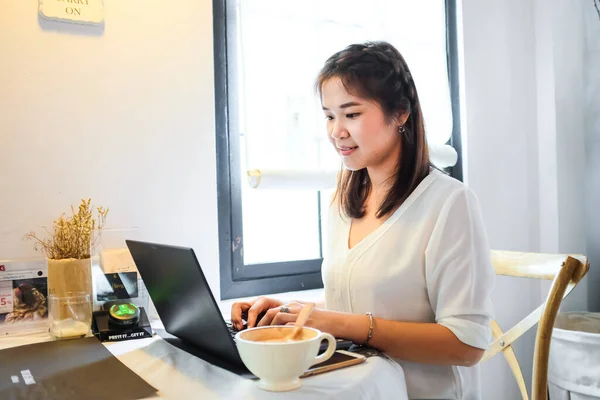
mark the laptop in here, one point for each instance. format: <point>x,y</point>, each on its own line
<point>186,305</point>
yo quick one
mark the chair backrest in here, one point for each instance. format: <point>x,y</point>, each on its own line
<point>565,271</point>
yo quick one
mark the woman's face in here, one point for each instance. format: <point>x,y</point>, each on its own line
<point>358,130</point>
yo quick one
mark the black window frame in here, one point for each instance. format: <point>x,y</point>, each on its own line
<point>240,280</point>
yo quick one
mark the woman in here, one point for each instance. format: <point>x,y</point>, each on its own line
<point>407,267</point>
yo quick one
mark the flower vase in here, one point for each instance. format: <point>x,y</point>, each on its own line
<point>70,275</point>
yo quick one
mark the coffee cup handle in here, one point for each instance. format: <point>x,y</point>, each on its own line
<point>330,348</point>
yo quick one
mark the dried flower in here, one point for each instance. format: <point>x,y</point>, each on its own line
<point>74,236</point>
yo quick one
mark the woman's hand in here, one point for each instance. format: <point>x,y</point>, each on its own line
<point>249,310</point>
<point>288,313</point>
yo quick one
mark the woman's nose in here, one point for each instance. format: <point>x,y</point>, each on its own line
<point>338,131</point>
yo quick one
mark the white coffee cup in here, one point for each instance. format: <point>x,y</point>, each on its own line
<point>279,364</point>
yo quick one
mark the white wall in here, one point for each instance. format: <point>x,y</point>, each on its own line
<point>569,45</point>
<point>560,83</point>
<point>592,144</point>
<point>499,65</point>
<point>123,115</point>
<point>523,65</point>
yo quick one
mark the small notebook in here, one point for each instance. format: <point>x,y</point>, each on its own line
<point>67,370</point>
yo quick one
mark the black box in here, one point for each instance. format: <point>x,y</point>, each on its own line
<point>110,333</point>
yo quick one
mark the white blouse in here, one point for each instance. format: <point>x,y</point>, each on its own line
<point>428,262</point>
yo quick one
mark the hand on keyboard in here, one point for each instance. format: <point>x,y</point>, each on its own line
<point>232,329</point>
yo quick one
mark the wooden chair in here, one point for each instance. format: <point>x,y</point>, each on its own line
<point>565,271</point>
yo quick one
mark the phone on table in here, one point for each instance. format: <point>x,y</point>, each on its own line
<point>339,359</point>
<point>340,344</point>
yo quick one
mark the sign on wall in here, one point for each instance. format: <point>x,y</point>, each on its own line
<point>76,11</point>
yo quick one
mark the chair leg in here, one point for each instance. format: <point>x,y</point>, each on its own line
<point>511,358</point>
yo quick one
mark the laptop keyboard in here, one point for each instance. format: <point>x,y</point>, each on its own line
<point>231,329</point>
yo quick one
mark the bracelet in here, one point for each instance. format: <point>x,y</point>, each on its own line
<point>370,334</point>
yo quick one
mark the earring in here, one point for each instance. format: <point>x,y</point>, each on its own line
<point>402,130</point>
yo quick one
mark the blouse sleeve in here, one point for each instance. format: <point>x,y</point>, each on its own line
<point>459,271</point>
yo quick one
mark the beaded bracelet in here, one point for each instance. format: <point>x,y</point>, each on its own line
<point>370,334</point>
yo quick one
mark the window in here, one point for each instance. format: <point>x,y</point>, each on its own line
<point>267,55</point>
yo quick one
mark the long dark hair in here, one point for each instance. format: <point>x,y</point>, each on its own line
<point>376,71</point>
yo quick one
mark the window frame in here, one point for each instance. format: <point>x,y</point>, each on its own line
<point>240,280</point>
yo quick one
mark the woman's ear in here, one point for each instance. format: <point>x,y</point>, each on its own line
<point>401,118</point>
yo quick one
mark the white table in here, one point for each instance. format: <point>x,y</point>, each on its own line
<point>179,375</point>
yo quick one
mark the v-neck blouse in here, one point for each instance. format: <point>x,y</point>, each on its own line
<point>428,262</point>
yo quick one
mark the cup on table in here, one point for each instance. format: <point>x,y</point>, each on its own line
<point>276,359</point>
<point>70,316</point>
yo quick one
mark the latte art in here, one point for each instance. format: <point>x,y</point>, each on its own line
<point>278,335</point>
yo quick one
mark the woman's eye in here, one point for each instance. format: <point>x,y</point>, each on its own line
<point>352,115</point>
<point>328,117</point>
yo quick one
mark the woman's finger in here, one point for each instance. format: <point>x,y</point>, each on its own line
<point>237,309</point>
<point>261,304</point>
<point>268,317</point>
<point>284,318</point>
